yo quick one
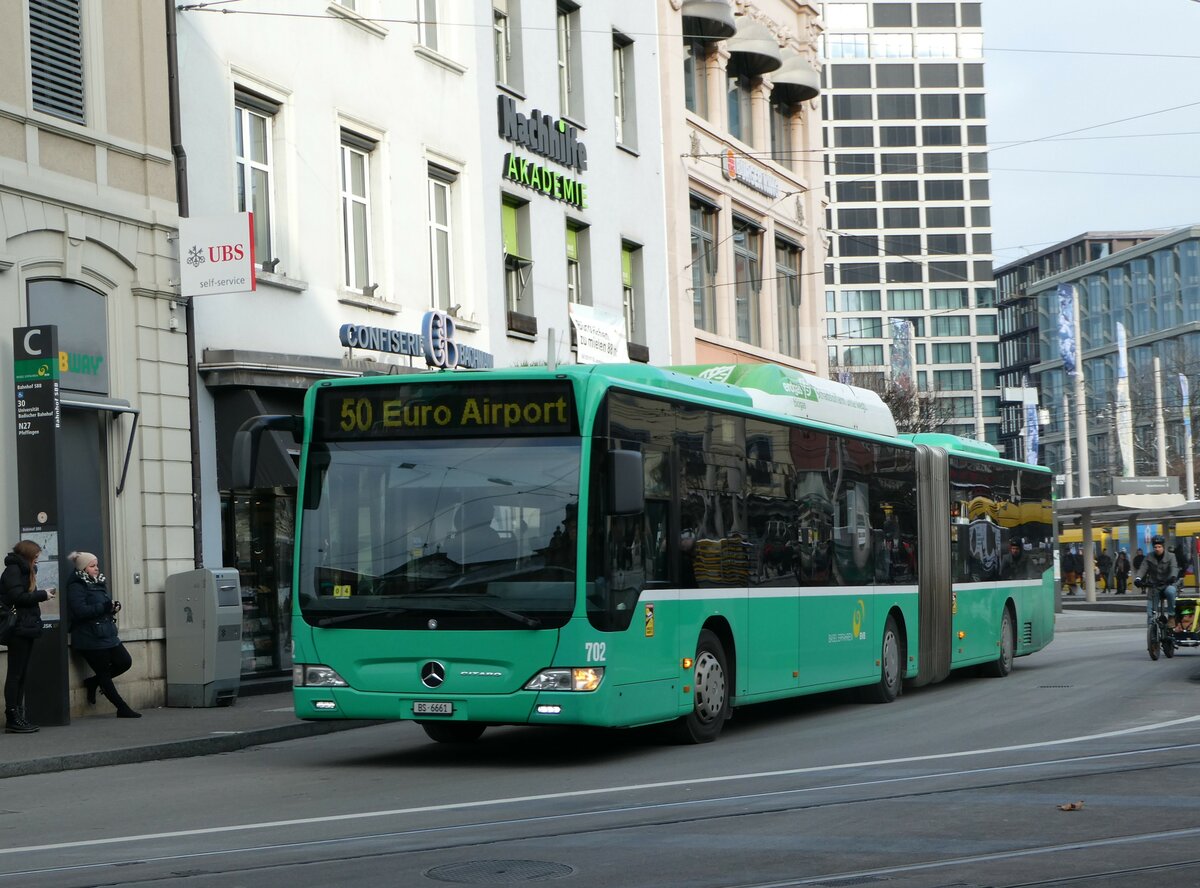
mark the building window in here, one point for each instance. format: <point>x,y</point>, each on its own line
<point>901,217</point>
<point>704,265</point>
<point>886,45</point>
<point>633,292</point>
<point>787,295</point>
<point>846,46</point>
<point>623,91</point>
<point>852,107</point>
<point>947,299</point>
<point>739,89</point>
<point>56,58</point>
<point>952,353</point>
<point>897,107</point>
<point>906,300</point>
<point>898,163</point>
<point>578,277</point>
<point>985,325</point>
<point>695,76</point>
<point>356,210</point>
<point>951,325</point>
<point>570,87</point>
<point>939,106</point>
<point>441,240</point>
<point>427,29</point>
<point>944,217</point>
<point>863,356</point>
<point>781,134</point>
<point>254,118</point>
<point>501,39</point>
<point>947,244</point>
<point>747,250</point>
<point>935,46</point>
<point>518,265</point>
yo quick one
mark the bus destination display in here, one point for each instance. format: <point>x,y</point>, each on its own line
<point>445,410</point>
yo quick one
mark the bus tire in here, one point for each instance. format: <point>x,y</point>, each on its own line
<point>453,732</point>
<point>1003,664</point>
<point>710,697</point>
<point>891,666</point>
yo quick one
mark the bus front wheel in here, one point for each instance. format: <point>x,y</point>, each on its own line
<point>1003,664</point>
<point>453,732</point>
<point>710,698</point>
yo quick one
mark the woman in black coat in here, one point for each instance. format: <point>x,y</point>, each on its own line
<point>94,631</point>
<point>18,589</point>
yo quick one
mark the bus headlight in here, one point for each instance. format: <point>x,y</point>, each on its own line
<point>581,678</point>
<point>314,675</point>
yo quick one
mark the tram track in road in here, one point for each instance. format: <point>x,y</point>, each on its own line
<point>671,816</point>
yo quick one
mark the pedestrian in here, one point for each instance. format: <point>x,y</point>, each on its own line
<point>1104,566</point>
<point>1121,569</point>
<point>94,631</point>
<point>18,590</point>
<point>1072,567</point>
<point>1138,558</point>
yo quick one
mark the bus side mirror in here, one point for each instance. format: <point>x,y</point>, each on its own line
<point>246,441</point>
<point>626,484</point>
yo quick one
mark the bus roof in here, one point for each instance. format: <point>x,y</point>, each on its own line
<point>787,392</point>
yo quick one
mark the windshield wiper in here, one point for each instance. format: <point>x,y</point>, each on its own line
<point>524,620</point>
<point>358,615</point>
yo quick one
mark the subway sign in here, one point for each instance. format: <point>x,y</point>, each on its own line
<point>448,410</point>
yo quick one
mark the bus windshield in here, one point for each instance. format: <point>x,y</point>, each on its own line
<point>471,533</point>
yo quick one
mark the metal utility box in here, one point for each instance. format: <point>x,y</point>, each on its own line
<point>204,637</point>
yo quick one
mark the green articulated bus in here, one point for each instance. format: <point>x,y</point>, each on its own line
<point>624,545</point>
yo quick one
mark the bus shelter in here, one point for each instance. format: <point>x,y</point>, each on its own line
<point>1091,514</point>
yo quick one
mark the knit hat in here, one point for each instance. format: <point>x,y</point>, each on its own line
<point>81,559</point>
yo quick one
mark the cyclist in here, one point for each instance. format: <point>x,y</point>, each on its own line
<point>1159,571</point>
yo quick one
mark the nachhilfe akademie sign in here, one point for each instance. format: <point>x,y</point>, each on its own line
<point>216,254</point>
<point>553,139</point>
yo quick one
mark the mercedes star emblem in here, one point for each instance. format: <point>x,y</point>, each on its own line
<point>433,674</point>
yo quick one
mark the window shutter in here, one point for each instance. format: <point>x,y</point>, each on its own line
<point>508,224</point>
<point>56,57</point>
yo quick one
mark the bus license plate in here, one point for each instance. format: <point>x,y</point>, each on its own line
<point>427,707</point>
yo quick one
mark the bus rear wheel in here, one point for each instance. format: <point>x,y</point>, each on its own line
<point>891,666</point>
<point>453,732</point>
<point>710,699</point>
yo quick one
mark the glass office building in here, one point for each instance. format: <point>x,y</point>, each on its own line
<point>1153,289</point>
<point>909,218</point>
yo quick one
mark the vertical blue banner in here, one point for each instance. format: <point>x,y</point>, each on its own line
<point>1187,408</point>
<point>1031,434</point>
<point>1066,327</point>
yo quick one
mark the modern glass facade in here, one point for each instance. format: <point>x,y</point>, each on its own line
<point>1153,289</point>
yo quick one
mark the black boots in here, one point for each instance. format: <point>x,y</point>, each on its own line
<point>15,722</point>
<point>126,712</point>
<point>90,685</point>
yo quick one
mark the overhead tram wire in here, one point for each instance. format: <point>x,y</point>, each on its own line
<point>209,6</point>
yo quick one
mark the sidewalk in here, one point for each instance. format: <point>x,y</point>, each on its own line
<point>103,739</point>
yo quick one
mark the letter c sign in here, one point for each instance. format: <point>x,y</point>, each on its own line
<point>30,348</point>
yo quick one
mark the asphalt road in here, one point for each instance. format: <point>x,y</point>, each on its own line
<point>959,784</point>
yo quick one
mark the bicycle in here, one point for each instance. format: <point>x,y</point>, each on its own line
<point>1159,634</point>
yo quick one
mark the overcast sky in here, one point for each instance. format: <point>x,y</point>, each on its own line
<point>1032,94</point>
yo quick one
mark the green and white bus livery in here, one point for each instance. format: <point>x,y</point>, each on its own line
<point>625,545</point>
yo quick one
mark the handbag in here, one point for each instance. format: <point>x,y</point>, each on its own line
<point>8,622</point>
